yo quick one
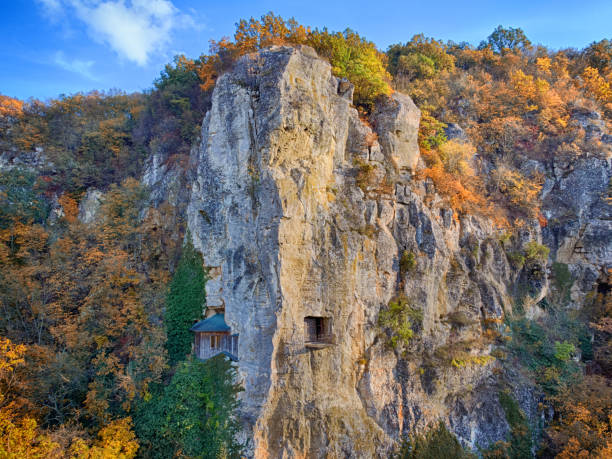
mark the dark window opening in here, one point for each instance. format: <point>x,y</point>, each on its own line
<point>215,341</point>
<point>317,331</point>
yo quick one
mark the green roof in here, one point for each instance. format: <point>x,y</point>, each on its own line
<point>215,323</point>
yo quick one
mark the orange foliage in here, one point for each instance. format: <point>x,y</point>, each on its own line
<point>10,107</point>
<point>70,208</point>
<point>250,36</point>
<point>583,427</point>
<point>460,198</point>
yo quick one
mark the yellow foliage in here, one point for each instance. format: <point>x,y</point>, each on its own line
<point>460,198</point>
<point>598,86</point>
<point>115,441</point>
<point>544,64</point>
<point>529,91</point>
<point>21,439</point>
<point>11,355</point>
<point>456,157</point>
<point>520,191</point>
<point>480,360</point>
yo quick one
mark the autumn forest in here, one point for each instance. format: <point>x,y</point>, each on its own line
<point>99,282</point>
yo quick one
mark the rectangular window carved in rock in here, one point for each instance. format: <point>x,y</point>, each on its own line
<point>317,331</point>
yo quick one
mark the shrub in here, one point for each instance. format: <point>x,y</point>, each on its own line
<point>517,190</point>
<point>399,317</point>
<point>546,351</point>
<point>436,443</point>
<point>564,350</point>
<point>365,175</point>
<point>407,262</point>
<point>21,198</point>
<point>535,252</point>
<point>456,156</point>
<point>459,319</point>
<point>581,427</point>
<point>562,280</point>
<point>517,259</point>
<point>420,58</point>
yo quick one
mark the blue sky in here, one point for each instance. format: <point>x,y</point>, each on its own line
<point>50,47</point>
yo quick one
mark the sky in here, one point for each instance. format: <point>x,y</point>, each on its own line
<point>53,47</point>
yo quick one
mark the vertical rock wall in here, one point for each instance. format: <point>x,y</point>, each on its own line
<point>300,210</point>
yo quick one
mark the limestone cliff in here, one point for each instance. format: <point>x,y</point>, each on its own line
<point>302,209</point>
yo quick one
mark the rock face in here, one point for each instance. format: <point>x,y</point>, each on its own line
<point>301,211</point>
<point>579,229</point>
<point>90,205</point>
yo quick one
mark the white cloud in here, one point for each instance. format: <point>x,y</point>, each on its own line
<point>83,68</point>
<point>52,8</point>
<point>134,29</point>
<point>53,5</point>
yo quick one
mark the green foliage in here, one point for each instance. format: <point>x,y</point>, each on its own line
<point>436,443</point>
<point>516,258</point>
<point>21,198</point>
<point>420,58</point>
<point>535,252</point>
<point>519,443</point>
<point>503,40</point>
<point>356,59</point>
<point>184,303</point>
<point>532,253</point>
<point>546,351</point>
<point>564,350</point>
<point>173,113</point>
<point>407,262</point>
<point>400,317</point>
<point>194,416</point>
<point>351,56</point>
<point>431,132</point>
<point>598,55</point>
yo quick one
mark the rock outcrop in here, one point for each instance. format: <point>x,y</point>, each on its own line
<point>301,210</point>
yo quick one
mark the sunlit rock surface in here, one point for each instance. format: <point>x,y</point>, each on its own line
<point>300,210</point>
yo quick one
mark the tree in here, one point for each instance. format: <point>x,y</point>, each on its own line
<point>115,440</point>
<point>599,55</point>
<point>356,59</point>
<point>351,56</point>
<point>504,40</point>
<point>421,57</point>
<point>195,415</point>
<point>185,303</point>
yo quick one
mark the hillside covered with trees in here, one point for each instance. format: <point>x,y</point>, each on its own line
<point>99,281</point>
